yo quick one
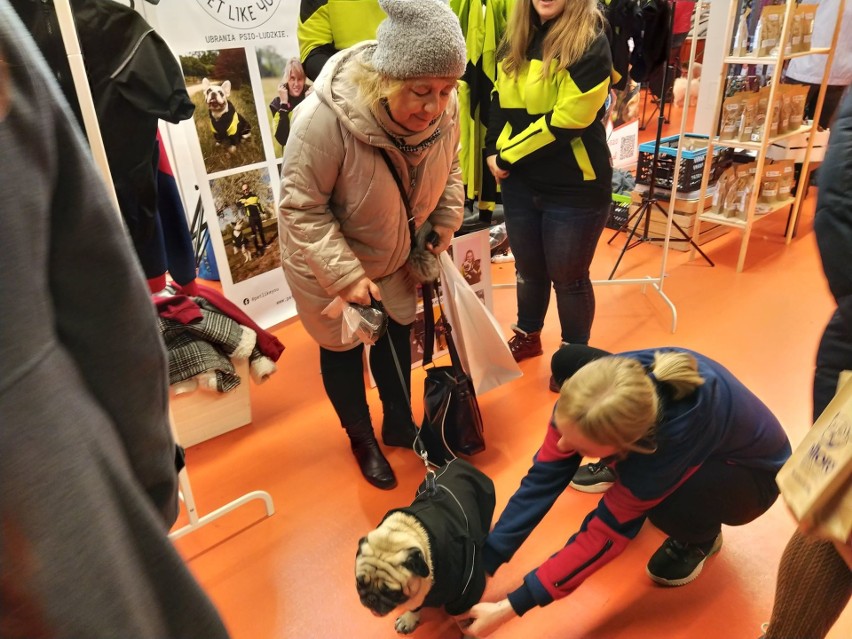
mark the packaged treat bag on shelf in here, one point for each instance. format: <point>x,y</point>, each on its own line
<point>796,43</point>
<point>785,100</point>
<point>771,23</point>
<point>725,182</point>
<point>775,110</point>
<point>738,206</point>
<point>732,109</point>
<point>749,117</point>
<point>808,15</point>
<point>769,184</point>
<point>740,47</point>
<point>785,182</point>
<point>760,118</point>
<point>735,191</point>
<point>798,98</point>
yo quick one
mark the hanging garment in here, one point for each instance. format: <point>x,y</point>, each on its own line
<point>474,89</point>
<point>651,45</point>
<point>169,249</point>
<point>88,484</point>
<point>135,80</point>
<point>625,19</point>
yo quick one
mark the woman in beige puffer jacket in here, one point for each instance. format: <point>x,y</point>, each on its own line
<point>343,225</point>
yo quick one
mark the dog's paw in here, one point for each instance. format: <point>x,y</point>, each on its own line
<point>407,622</point>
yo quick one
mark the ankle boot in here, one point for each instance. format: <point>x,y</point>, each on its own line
<point>524,345</point>
<point>372,462</point>
<point>398,429</point>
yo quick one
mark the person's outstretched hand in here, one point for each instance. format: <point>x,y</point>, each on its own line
<point>485,617</point>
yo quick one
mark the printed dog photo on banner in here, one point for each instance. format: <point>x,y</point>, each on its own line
<point>248,221</point>
<point>468,253</point>
<point>225,115</point>
<point>284,85</point>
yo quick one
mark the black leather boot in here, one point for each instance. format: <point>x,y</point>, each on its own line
<point>398,429</point>
<point>372,462</point>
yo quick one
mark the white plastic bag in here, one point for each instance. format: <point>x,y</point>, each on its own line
<point>359,323</point>
<point>483,350</point>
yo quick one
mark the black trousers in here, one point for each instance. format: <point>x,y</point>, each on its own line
<point>717,493</point>
<point>343,374</point>
<point>256,224</point>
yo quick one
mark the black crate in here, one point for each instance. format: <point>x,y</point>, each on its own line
<point>619,211</point>
<point>692,163</point>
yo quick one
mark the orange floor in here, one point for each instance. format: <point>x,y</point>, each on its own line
<point>291,575</point>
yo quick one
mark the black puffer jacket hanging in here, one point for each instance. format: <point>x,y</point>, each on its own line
<point>652,43</point>
<point>135,81</point>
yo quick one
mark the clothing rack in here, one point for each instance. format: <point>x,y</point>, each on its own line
<point>71,42</point>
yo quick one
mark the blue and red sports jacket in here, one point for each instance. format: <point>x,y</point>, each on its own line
<point>722,419</point>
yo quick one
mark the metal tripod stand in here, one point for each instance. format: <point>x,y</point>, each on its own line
<point>649,201</point>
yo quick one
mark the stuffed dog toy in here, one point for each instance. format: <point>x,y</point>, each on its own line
<point>228,126</point>
<point>679,88</point>
<point>429,553</point>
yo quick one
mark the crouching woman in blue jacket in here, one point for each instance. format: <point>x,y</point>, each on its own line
<point>692,449</point>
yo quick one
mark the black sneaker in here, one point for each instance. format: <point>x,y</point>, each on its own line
<point>596,477</point>
<point>676,563</point>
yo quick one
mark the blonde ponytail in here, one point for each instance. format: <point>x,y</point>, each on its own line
<point>679,370</point>
<point>612,402</point>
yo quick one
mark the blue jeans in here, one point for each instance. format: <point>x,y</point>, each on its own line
<point>553,240</point>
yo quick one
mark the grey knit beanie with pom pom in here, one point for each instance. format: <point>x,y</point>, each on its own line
<point>419,38</point>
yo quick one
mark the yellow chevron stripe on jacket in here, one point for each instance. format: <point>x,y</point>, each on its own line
<point>559,104</point>
<point>548,131</point>
<point>341,23</point>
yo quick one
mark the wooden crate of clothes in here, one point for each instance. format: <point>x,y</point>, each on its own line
<point>201,414</point>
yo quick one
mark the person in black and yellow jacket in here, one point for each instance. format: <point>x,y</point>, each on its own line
<point>251,204</point>
<point>328,26</point>
<point>546,146</point>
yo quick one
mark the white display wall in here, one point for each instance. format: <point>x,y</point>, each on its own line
<point>246,42</point>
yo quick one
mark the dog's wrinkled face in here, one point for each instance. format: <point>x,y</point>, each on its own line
<point>216,95</point>
<point>390,569</point>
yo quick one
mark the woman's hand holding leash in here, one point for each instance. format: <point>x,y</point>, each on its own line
<point>359,292</point>
<point>439,239</point>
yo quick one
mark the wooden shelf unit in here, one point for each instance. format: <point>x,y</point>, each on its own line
<point>755,211</point>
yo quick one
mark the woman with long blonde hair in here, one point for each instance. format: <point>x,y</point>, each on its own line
<point>546,146</point>
<point>691,447</point>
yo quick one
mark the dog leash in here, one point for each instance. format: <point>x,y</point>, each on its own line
<point>417,446</point>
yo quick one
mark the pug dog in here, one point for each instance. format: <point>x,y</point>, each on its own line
<point>429,554</point>
<point>227,125</point>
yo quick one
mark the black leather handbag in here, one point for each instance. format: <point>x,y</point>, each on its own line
<point>452,423</point>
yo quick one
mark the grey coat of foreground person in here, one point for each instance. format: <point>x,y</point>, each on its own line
<point>88,486</point>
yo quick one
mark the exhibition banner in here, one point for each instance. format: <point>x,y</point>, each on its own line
<point>227,158</point>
